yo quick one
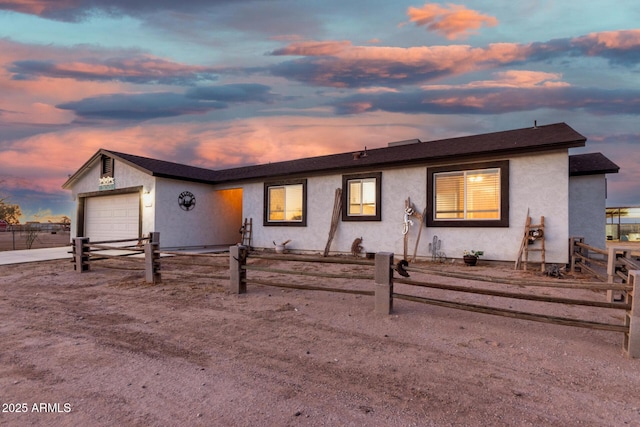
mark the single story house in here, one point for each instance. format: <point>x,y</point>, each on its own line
<point>476,192</point>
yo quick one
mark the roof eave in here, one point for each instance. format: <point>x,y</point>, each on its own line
<point>89,164</point>
<point>595,172</point>
<point>416,161</point>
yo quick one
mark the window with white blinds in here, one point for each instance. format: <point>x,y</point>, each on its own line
<point>473,195</point>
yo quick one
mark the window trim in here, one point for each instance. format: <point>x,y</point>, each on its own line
<point>503,221</point>
<point>345,197</point>
<point>284,223</point>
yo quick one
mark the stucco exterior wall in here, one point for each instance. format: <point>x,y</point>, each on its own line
<point>538,183</point>
<point>215,219</point>
<point>125,177</point>
<point>227,216</point>
<point>587,209</point>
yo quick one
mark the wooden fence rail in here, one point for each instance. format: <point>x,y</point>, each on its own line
<point>384,294</point>
<point>84,252</point>
<point>616,260</point>
<point>383,284</point>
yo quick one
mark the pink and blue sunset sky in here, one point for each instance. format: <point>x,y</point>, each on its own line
<point>223,83</point>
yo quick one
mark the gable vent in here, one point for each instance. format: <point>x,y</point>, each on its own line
<point>106,167</point>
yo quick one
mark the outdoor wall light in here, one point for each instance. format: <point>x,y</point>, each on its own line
<point>147,200</point>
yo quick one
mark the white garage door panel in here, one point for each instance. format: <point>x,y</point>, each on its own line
<point>112,217</point>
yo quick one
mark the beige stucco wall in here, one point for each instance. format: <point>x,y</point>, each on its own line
<point>538,183</point>
<point>587,208</point>
<point>215,220</point>
<point>125,177</point>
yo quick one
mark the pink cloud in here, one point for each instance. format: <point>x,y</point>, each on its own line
<point>451,21</point>
<point>43,162</point>
<point>596,43</point>
<point>34,100</point>
<point>342,64</point>
<point>510,79</point>
<point>357,66</point>
<point>314,48</point>
<point>38,7</point>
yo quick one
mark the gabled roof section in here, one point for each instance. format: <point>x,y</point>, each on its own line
<point>528,140</point>
<point>591,164</point>
<point>154,167</point>
<point>519,141</point>
<point>166,169</point>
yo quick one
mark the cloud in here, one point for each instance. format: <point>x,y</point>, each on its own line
<point>38,7</point>
<point>77,10</point>
<point>624,150</point>
<point>451,21</point>
<point>361,66</point>
<point>314,48</point>
<point>137,69</point>
<point>144,106</point>
<point>238,92</point>
<point>495,100</point>
<point>344,65</point>
<point>148,106</point>
<point>510,79</point>
<point>619,47</point>
<point>47,159</point>
<point>32,101</point>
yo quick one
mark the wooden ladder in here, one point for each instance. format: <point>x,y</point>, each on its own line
<point>528,239</point>
<point>247,230</point>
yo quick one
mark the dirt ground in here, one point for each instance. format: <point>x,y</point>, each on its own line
<point>17,240</point>
<point>103,348</point>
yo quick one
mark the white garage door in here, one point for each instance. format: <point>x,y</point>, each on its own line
<point>112,217</point>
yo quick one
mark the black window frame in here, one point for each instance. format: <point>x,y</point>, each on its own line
<point>345,196</point>
<point>503,221</point>
<point>284,223</point>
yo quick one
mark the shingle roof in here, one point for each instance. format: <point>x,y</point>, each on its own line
<point>540,138</point>
<point>527,140</point>
<point>591,164</point>
<point>166,169</point>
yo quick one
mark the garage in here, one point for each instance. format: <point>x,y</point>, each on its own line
<point>112,217</point>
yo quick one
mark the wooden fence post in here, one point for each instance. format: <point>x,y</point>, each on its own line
<point>611,271</point>
<point>237,273</point>
<point>152,258</point>
<point>81,254</point>
<point>573,248</point>
<point>631,345</point>
<point>612,265</point>
<point>384,282</point>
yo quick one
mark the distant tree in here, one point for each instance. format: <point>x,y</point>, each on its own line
<point>31,232</point>
<point>65,220</point>
<point>9,212</point>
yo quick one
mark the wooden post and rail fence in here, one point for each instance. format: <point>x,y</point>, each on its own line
<point>384,293</point>
<point>383,283</point>
<point>617,261</point>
